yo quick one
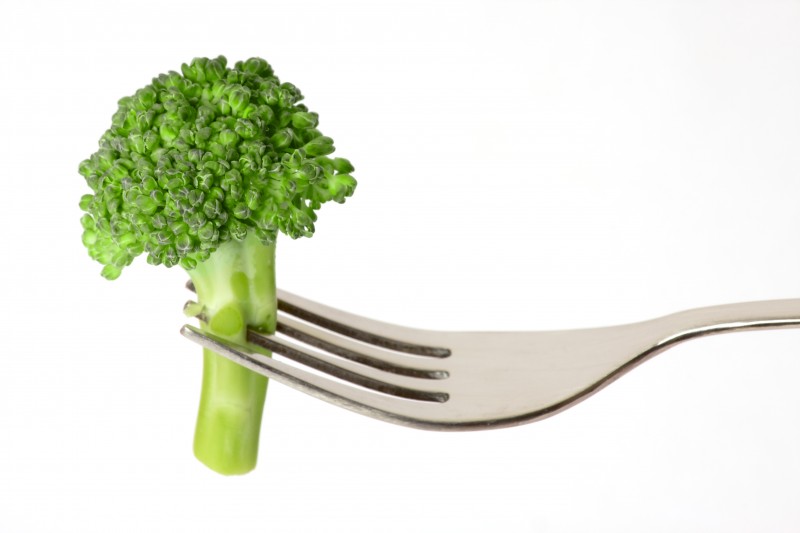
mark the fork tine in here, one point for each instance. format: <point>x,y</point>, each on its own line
<point>346,348</point>
<point>341,322</point>
<point>299,355</point>
<point>317,362</point>
<point>329,343</point>
<point>340,394</point>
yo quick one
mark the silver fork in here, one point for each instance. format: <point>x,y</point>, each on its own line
<point>468,380</point>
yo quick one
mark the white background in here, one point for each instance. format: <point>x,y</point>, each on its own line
<point>521,165</point>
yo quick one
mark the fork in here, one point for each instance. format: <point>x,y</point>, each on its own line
<point>442,380</point>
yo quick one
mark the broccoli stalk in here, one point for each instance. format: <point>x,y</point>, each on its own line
<point>203,170</point>
<point>237,287</point>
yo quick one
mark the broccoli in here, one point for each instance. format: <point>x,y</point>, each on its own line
<point>203,169</point>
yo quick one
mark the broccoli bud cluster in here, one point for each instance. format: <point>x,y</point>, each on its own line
<point>194,160</point>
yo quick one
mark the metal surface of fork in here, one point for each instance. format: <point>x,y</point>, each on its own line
<point>468,380</point>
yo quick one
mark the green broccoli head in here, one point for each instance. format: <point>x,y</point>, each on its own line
<point>194,160</point>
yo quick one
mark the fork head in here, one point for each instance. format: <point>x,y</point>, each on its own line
<point>426,379</point>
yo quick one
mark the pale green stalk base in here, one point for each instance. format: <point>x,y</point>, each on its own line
<point>236,287</point>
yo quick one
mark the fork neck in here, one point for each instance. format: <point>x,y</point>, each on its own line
<point>770,314</point>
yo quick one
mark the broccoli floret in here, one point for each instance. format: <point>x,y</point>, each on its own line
<point>203,169</point>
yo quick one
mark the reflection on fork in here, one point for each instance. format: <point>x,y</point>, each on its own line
<point>467,380</point>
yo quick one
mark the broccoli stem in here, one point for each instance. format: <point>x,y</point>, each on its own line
<point>236,286</point>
